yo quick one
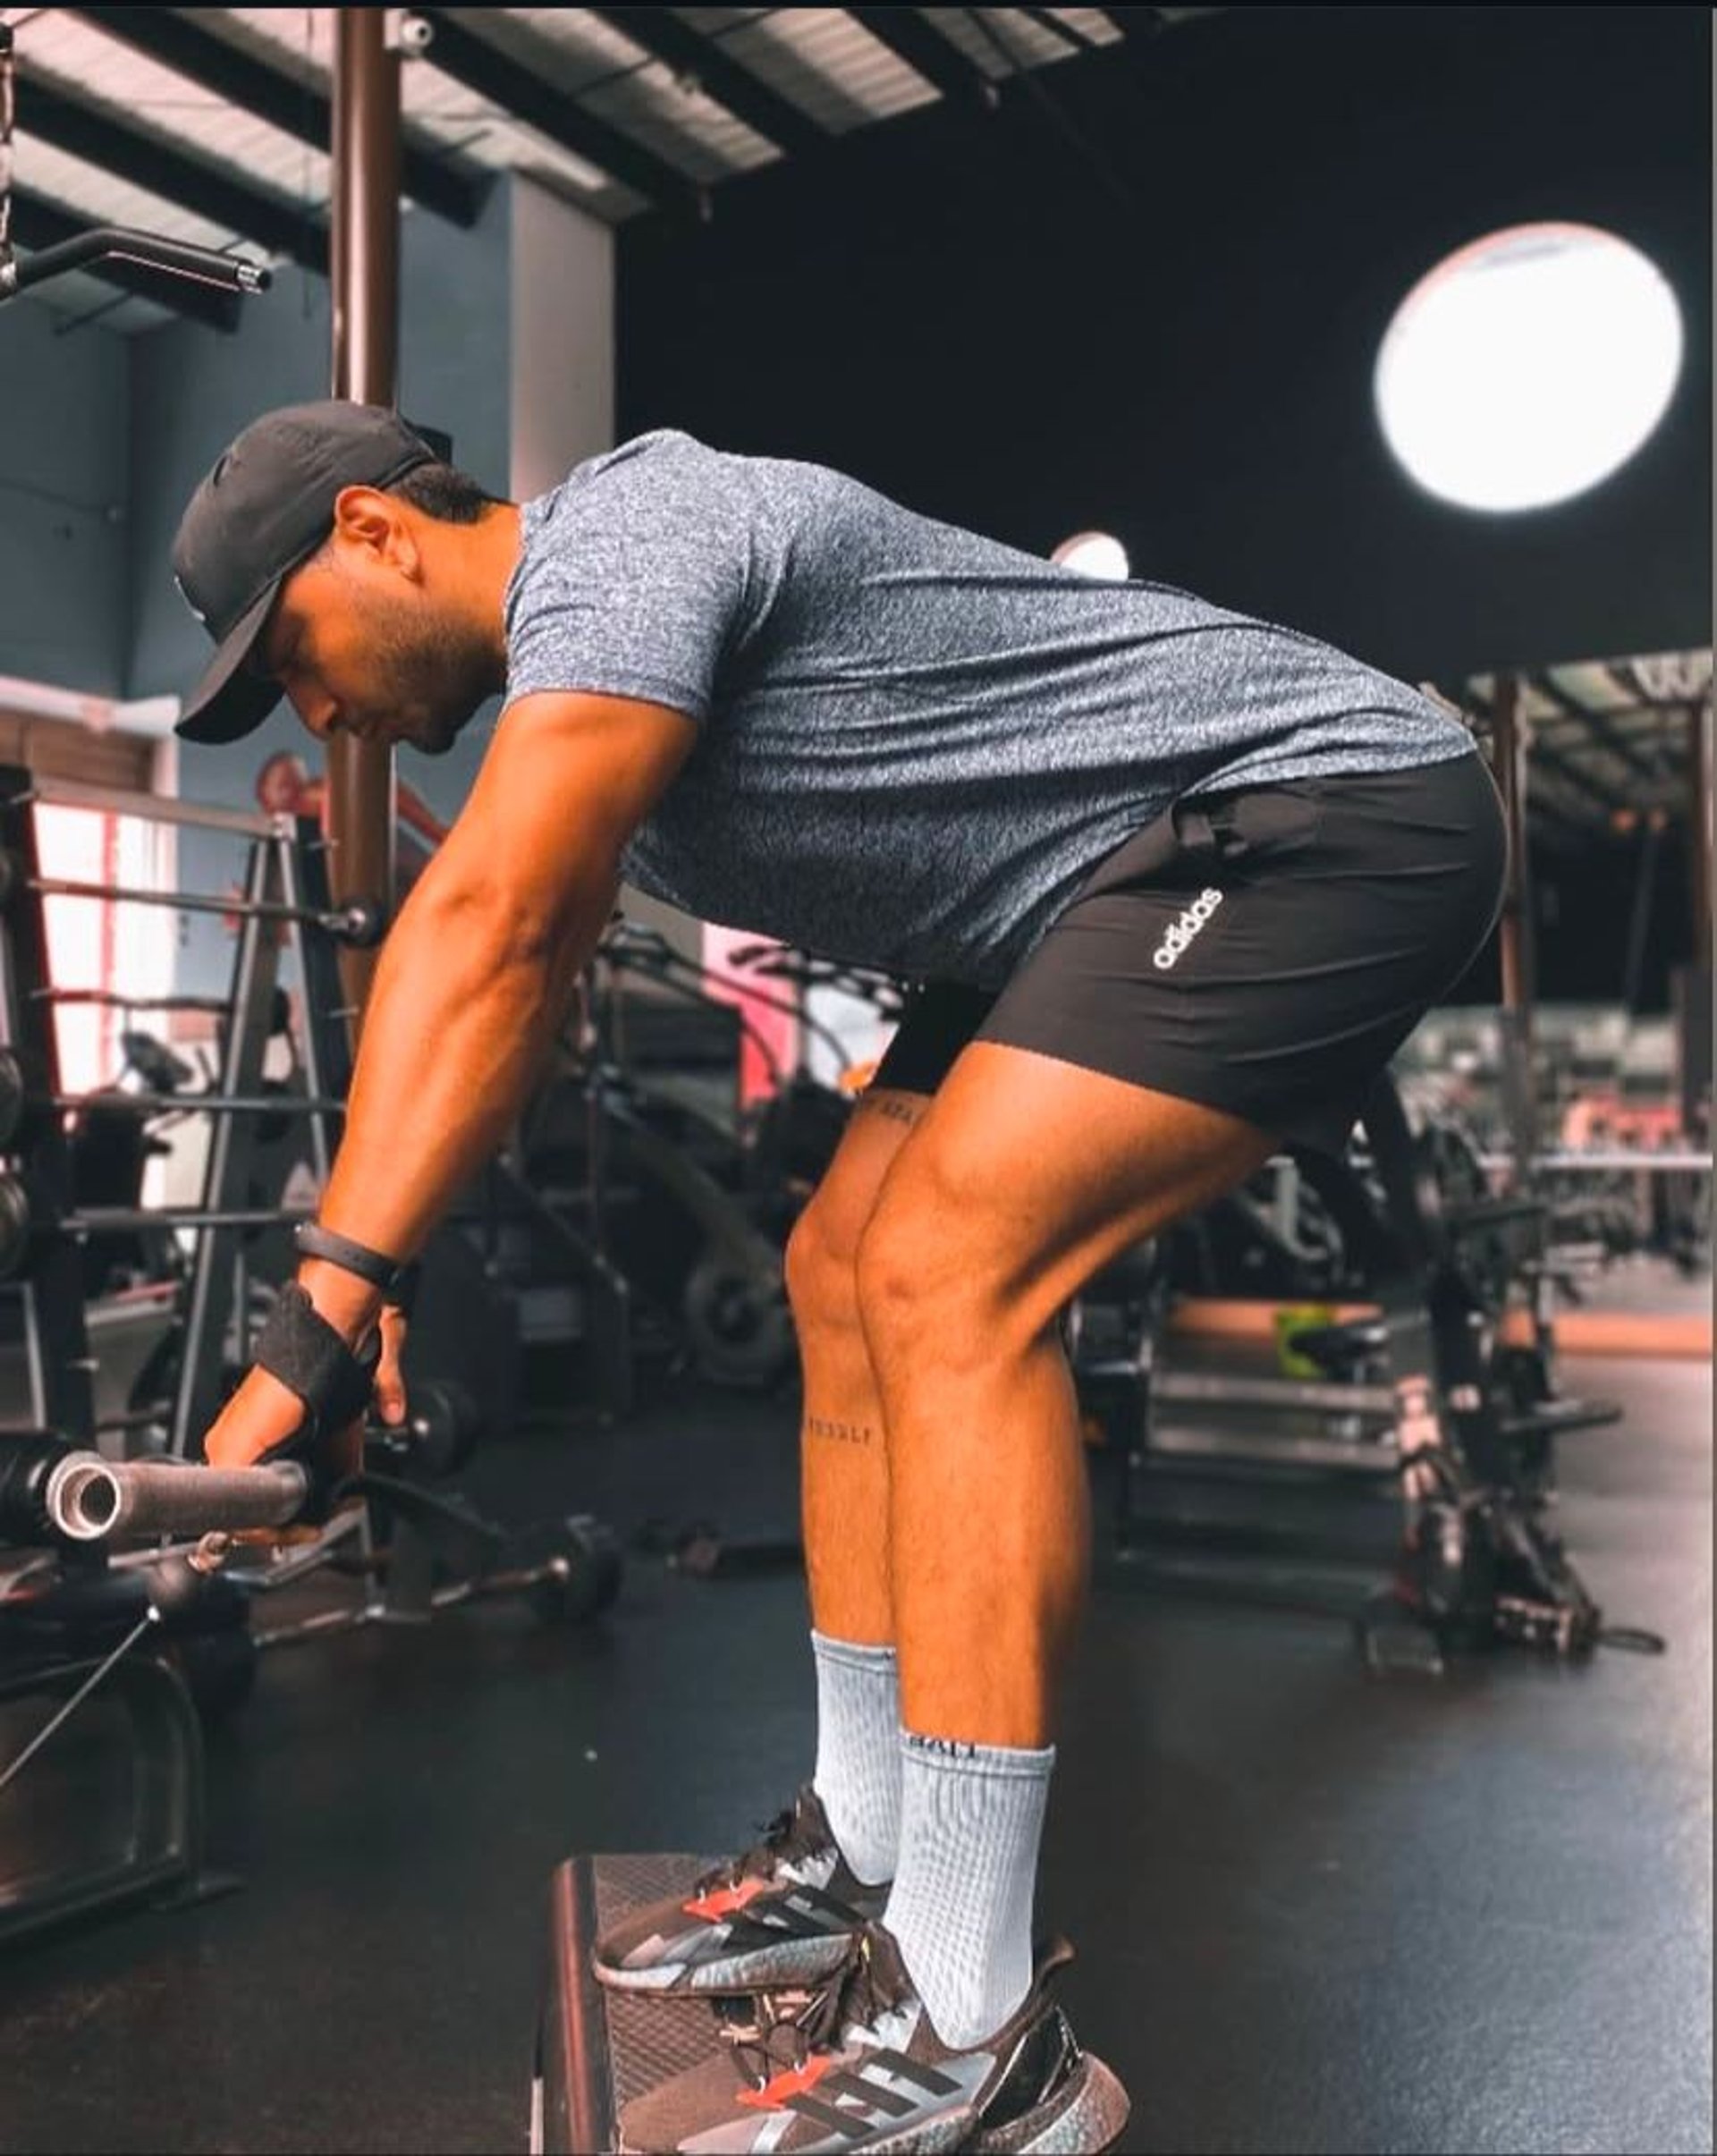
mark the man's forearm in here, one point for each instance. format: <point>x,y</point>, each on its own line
<point>466,1005</point>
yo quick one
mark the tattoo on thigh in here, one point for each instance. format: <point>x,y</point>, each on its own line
<point>896,1107</point>
<point>843,1434</point>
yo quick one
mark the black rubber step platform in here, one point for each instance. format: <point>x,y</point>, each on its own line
<point>597,2049</point>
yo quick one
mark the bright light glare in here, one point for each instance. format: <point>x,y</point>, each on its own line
<point>1094,554</point>
<point>1528,365</point>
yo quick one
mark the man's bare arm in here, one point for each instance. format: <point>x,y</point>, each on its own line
<point>472,986</point>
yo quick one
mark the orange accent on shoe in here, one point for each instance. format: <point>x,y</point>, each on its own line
<point>723,1901</point>
<point>774,2093</point>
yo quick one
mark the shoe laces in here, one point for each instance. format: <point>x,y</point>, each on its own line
<point>783,1838</point>
<point>786,2027</point>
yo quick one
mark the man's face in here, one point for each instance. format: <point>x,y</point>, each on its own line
<point>361,647</point>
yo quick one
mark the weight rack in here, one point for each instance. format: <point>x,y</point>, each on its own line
<point>286,888</point>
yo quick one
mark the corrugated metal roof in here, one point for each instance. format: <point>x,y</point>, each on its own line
<point>1607,736</point>
<point>827,67</point>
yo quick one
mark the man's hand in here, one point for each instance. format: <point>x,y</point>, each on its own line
<point>390,1381</point>
<point>263,1413</point>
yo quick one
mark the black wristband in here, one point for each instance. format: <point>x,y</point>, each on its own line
<point>403,1293</point>
<point>389,1274</point>
<point>298,1345</point>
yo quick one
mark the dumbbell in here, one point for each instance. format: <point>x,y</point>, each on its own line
<point>441,1430</point>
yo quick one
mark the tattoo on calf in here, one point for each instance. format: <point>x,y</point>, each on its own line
<point>843,1433</point>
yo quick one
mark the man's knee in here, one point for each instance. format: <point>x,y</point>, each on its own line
<point>918,1268</point>
<point>821,1267</point>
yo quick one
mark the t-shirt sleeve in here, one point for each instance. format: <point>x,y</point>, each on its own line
<point>635,582</point>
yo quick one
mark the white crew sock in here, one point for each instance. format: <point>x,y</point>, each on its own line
<point>971,1818</point>
<point>857,1776</point>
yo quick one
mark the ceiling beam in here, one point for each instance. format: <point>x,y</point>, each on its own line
<point>1046,19</point>
<point>661,33</point>
<point>37,222</point>
<point>1542,805</point>
<point>1570,774</point>
<point>100,139</point>
<point>927,53</point>
<point>1483,707</point>
<point>430,175</point>
<point>521,92</point>
<point>1603,732</point>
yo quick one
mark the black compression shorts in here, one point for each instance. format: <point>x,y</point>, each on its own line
<point>1264,952</point>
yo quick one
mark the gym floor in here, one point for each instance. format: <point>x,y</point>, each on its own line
<point>1317,1909</point>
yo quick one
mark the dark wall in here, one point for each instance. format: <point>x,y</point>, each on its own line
<point>1613,920</point>
<point>961,312</point>
<point>64,431</point>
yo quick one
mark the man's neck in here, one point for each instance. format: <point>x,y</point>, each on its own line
<point>494,546</point>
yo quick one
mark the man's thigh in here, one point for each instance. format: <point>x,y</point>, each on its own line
<point>1027,1175</point>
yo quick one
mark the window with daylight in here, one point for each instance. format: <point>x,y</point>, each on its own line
<point>92,944</point>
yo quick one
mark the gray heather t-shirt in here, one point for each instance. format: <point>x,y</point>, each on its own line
<point>916,743</point>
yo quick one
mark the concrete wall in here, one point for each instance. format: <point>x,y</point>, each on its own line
<point>562,347</point>
<point>64,448</point>
<point>562,362</point>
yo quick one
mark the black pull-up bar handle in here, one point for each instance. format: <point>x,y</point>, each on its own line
<point>172,258</point>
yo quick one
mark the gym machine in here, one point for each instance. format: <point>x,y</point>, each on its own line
<point>679,1212</point>
<point>1425,1402</point>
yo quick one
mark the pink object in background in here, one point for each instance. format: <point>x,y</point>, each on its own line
<point>729,984</point>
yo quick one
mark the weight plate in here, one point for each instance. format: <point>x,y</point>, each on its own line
<point>738,1324</point>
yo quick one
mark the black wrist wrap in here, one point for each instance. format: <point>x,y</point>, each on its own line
<point>308,1356</point>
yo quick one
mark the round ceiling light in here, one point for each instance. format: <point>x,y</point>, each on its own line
<point>1529,366</point>
<point>1094,554</point>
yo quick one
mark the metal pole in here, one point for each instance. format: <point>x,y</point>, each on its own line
<point>1509,743</point>
<point>365,270</point>
<point>1699,828</point>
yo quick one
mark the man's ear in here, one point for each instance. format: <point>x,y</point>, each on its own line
<point>376,525</point>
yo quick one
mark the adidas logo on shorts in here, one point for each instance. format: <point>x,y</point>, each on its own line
<point>1169,952</point>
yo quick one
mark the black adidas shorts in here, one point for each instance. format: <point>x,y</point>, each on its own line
<point>1264,952</point>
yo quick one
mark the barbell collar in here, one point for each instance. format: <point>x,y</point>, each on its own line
<point>91,1499</point>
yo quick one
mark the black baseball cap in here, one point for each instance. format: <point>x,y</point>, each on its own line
<point>266,506</point>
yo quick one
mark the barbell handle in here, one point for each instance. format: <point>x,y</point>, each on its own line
<point>92,1499</point>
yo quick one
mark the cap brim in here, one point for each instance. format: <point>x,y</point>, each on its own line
<point>232,701</point>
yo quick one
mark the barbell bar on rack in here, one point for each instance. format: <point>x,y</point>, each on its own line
<point>108,999</point>
<point>360,922</point>
<point>22,1224</point>
<point>18,1101</point>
